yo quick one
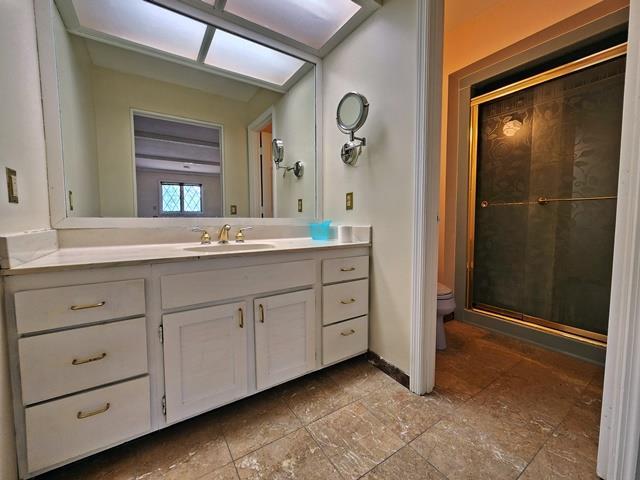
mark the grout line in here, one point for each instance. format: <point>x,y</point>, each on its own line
<point>324,454</point>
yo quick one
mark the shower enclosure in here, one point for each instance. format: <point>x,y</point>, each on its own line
<point>543,184</point>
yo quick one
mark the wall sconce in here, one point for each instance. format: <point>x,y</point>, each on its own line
<point>351,115</point>
<point>277,155</point>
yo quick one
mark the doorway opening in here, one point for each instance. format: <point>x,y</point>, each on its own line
<point>178,167</point>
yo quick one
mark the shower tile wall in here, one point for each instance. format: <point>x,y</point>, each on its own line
<point>550,261</point>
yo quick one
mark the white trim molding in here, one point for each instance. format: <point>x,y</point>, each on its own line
<point>620,422</point>
<point>426,196</point>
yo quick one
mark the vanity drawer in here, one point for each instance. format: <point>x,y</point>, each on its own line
<point>345,300</point>
<point>59,363</point>
<point>213,285</point>
<point>342,269</point>
<point>345,339</point>
<point>50,308</point>
<point>63,429</point>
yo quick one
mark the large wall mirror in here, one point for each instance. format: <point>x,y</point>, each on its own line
<point>165,115</point>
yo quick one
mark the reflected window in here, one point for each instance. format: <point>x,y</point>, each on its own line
<point>181,198</point>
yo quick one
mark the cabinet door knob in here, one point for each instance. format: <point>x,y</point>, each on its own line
<point>91,305</point>
<point>348,301</point>
<point>76,361</point>
<point>241,311</point>
<point>261,308</point>
<point>81,415</point>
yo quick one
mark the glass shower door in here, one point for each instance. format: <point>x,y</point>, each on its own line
<point>546,175</point>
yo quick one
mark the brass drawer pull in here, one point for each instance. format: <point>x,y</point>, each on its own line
<point>346,333</point>
<point>241,317</point>
<point>81,415</point>
<point>261,308</point>
<point>347,302</point>
<point>84,307</point>
<point>347,269</point>
<point>89,360</point>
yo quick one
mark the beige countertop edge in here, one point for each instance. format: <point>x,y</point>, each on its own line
<point>53,262</point>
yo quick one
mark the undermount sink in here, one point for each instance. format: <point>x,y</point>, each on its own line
<point>230,247</point>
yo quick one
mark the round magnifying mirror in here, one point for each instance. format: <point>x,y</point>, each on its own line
<point>352,112</point>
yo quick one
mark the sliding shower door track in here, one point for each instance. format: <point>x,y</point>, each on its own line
<point>585,336</point>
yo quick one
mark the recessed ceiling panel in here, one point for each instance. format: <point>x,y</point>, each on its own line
<point>239,55</point>
<point>312,22</point>
<point>143,23</point>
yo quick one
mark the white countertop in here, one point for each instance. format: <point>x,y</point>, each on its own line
<point>110,256</point>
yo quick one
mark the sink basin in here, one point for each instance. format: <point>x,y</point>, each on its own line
<point>230,247</point>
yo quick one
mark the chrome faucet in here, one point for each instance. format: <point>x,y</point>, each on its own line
<point>205,238</point>
<point>223,233</point>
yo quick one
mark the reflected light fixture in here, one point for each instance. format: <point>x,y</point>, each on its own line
<point>511,127</point>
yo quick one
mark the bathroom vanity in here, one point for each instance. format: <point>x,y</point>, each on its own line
<point>108,344</point>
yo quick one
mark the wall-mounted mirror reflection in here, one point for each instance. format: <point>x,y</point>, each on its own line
<point>165,116</point>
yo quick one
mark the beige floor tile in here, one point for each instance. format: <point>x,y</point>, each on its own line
<point>358,377</point>
<point>460,451</point>
<point>354,440</point>
<point>405,413</point>
<point>228,472</point>
<point>405,464</point>
<point>466,372</point>
<point>255,422</point>
<point>315,396</point>
<point>296,456</point>
<point>560,458</point>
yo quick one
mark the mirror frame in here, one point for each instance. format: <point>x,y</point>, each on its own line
<point>362,118</point>
<point>53,130</point>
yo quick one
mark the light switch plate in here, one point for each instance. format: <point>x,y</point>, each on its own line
<point>299,205</point>
<point>349,201</point>
<point>12,185</point>
<point>234,209</point>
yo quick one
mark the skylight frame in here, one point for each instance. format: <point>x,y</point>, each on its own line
<point>367,8</point>
<point>73,25</point>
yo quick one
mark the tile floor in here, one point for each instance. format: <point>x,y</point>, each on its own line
<point>502,409</point>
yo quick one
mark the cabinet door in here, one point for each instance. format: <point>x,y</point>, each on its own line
<point>285,336</point>
<point>205,359</point>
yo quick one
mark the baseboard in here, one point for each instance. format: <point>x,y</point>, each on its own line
<point>391,370</point>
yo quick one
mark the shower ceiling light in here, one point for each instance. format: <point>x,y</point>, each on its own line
<point>511,127</point>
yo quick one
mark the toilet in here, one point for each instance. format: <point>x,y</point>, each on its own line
<point>446,305</point>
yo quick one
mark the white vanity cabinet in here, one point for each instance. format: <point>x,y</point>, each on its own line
<point>102,355</point>
<point>205,359</point>
<point>285,331</point>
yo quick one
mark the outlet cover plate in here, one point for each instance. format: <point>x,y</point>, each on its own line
<point>12,185</point>
<point>349,201</point>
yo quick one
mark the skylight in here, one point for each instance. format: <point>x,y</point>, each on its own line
<point>312,22</point>
<point>236,54</point>
<point>149,25</point>
<point>143,23</point>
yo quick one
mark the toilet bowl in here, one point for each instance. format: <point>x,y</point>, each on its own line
<point>446,305</point>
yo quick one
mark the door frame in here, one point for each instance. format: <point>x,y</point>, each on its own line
<point>620,421</point>
<point>426,192</point>
<point>253,134</point>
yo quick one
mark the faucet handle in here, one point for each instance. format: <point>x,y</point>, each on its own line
<point>205,238</point>
<point>240,234</point>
